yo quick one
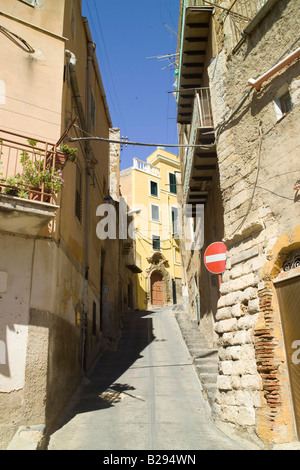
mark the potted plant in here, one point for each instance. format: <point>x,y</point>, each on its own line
<point>65,154</point>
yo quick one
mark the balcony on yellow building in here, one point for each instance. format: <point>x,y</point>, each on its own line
<point>146,167</point>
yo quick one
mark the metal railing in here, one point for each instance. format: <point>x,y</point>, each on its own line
<point>146,167</point>
<point>202,117</point>
<point>241,13</point>
<point>29,169</point>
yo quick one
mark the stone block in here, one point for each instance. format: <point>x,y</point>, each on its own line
<point>230,299</point>
<point>224,326</point>
<point>246,322</point>
<point>253,306</point>
<point>224,383</point>
<point>242,337</point>
<point>223,313</point>
<point>250,382</point>
<point>244,255</point>
<point>248,294</point>
<point>234,352</point>
<point>246,416</point>
<point>225,367</point>
<point>226,339</point>
<point>236,310</point>
<point>236,382</point>
<point>229,413</point>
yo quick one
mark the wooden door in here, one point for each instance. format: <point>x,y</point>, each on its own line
<point>289,301</point>
<point>157,295</point>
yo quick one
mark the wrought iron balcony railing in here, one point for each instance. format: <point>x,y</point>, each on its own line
<point>29,169</point>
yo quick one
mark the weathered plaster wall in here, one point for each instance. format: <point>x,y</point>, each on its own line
<point>258,165</point>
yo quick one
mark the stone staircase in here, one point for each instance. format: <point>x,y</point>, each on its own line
<point>205,358</point>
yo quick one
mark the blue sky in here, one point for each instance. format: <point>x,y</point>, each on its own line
<point>126,34</point>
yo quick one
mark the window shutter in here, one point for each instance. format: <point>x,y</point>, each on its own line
<point>172,181</point>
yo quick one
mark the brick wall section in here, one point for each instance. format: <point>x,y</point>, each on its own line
<point>267,363</point>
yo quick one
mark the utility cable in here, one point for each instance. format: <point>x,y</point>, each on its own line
<point>255,183</point>
<point>20,42</point>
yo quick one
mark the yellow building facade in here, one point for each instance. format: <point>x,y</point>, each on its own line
<point>150,190</point>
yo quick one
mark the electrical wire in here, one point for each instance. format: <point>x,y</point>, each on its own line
<point>127,142</point>
<point>255,183</point>
<point>20,42</point>
<point>107,59</point>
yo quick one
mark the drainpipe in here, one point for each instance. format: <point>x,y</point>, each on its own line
<point>287,60</point>
<point>88,158</point>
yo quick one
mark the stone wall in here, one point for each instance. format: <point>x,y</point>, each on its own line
<point>258,163</point>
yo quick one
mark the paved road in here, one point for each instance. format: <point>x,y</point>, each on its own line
<point>144,396</point>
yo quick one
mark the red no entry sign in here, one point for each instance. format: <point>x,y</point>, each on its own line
<point>215,257</point>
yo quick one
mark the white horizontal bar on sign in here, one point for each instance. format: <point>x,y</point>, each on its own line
<point>214,258</point>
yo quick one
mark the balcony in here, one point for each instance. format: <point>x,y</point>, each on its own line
<point>194,37</point>
<point>134,262</point>
<point>30,177</point>
<point>200,162</point>
<point>146,167</point>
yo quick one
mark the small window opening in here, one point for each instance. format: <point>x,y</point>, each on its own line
<point>286,103</point>
<point>156,242</point>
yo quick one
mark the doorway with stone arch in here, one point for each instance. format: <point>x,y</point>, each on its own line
<point>161,282</point>
<point>157,294</point>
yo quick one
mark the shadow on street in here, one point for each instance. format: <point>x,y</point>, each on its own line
<point>101,388</point>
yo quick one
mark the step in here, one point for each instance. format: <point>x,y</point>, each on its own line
<point>207,367</point>
<point>205,353</point>
<point>209,379</point>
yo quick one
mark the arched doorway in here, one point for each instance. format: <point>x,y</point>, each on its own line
<point>288,292</point>
<point>157,294</point>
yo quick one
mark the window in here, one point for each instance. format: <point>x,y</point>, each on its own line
<point>78,194</point>
<point>177,256</point>
<point>153,188</point>
<point>93,109</point>
<point>174,212</point>
<point>172,183</point>
<point>156,242</point>
<point>282,102</point>
<point>155,213</point>
<point>33,3</point>
<point>286,103</point>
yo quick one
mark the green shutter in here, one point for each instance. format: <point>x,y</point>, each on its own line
<point>172,181</point>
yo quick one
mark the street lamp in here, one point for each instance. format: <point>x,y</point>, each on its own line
<point>134,211</point>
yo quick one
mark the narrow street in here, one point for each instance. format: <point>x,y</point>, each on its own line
<point>144,396</point>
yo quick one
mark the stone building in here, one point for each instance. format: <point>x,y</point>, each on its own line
<point>59,305</point>
<point>245,170</point>
<point>150,190</point>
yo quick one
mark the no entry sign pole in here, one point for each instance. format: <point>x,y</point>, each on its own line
<point>215,257</point>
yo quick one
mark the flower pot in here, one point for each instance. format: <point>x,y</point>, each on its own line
<point>60,160</point>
